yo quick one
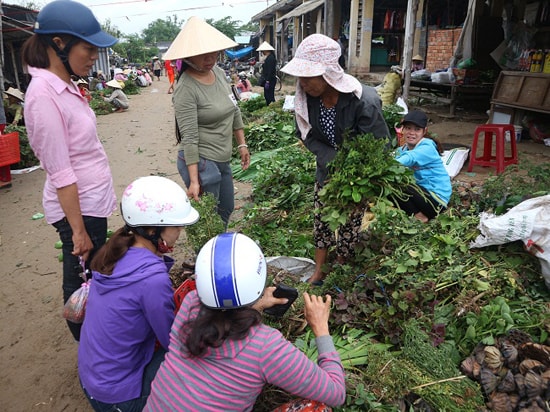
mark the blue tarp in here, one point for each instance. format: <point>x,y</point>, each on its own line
<point>239,54</point>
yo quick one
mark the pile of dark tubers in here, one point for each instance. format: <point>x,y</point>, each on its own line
<point>514,374</point>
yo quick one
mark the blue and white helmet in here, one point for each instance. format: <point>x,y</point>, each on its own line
<point>230,272</point>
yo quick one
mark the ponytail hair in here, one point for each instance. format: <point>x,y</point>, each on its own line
<point>111,252</point>
<point>437,143</point>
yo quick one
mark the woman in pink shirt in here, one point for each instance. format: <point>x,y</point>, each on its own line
<point>221,355</point>
<point>78,193</point>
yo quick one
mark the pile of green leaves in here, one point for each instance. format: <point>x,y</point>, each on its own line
<point>362,172</point>
<point>28,158</point>
<point>516,184</point>
<point>100,106</point>
<point>416,289</point>
<point>209,225</point>
<point>251,105</point>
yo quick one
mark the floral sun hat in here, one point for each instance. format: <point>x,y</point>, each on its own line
<point>317,55</point>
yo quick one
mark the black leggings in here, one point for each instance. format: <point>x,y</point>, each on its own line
<point>419,200</point>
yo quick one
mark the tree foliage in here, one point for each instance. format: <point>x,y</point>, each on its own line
<point>133,49</point>
<point>227,26</point>
<point>162,30</point>
<point>111,29</point>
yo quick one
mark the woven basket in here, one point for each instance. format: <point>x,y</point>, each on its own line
<point>9,149</point>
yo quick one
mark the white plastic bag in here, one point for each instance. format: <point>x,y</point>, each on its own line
<point>75,308</point>
<point>288,105</point>
<point>529,222</point>
<point>299,266</point>
<point>454,159</point>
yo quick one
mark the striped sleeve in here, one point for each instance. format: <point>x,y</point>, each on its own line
<point>287,367</point>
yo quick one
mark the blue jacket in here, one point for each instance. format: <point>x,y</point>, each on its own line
<point>429,171</point>
<point>126,313</point>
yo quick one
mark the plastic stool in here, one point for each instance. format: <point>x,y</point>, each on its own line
<point>499,160</point>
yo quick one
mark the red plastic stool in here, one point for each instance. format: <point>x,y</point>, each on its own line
<point>499,160</point>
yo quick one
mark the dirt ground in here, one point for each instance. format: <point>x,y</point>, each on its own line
<point>37,353</point>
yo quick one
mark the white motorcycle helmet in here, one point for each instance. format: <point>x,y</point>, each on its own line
<point>230,272</point>
<point>156,201</point>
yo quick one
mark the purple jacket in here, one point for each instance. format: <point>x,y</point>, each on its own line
<point>126,313</point>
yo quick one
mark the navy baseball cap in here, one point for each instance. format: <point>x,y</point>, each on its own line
<point>416,117</point>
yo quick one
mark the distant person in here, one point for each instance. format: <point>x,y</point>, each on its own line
<point>423,155</point>
<point>13,106</point>
<point>417,63</point>
<point>5,171</point>
<point>98,81</point>
<point>84,91</point>
<point>169,69</point>
<point>208,117</point>
<point>243,84</point>
<point>117,97</point>
<point>269,71</point>
<point>221,354</point>
<point>157,67</point>
<point>78,195</point>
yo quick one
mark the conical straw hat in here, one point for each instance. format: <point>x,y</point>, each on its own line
<point>18,94</point>
<point>114,84</point>
<point>265,46</point>
<point>197,37</point>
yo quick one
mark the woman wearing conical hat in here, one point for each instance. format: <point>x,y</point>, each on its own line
<point>269,71</point>
<point>207,115</point>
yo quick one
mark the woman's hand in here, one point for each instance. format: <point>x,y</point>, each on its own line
<point>82,245</point>
<point>194,191</point>
<point>268,300</point>
<point>317,313</point>
<point>245,157</point>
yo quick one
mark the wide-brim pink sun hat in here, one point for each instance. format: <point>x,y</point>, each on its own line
<point>318,55</point>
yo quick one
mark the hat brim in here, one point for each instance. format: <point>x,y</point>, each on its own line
<point>265,46</point>
<point>415,122</point>
<point>198,37</point>
<point>303,68</point>
<point>191,218</point>
<point>17,94</point>
<point>114,84</point>
<point>101,39</point>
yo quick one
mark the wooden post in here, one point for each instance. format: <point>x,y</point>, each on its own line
<point>410,27</point>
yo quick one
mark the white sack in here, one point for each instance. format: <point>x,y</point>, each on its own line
<point>529,222</point>
<point>454,159</point>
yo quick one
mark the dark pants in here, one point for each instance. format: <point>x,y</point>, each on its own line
<point>419,201</point>
<point>97,230</point>
<point>137,404</point>
<point>269,92</point>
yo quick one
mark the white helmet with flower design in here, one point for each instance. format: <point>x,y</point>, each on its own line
<point>156,201</point>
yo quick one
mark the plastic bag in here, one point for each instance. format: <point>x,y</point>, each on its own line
<point>454,159</point>
<point>529,222</point>
<point>75,308</point>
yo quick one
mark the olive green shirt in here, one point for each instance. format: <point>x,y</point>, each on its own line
<point>206,116</point>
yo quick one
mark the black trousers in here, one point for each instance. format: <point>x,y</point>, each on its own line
<point>417,200</point>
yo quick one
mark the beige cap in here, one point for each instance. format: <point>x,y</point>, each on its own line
<point>114,84</point>
<point>265,46</point>
<point>197,37</point>
<point>18,94</point>
<point>418,57</point>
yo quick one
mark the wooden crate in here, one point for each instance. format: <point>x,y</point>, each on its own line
<point>523,90</point>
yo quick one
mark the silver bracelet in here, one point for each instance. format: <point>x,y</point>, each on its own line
<point>242,145</point>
